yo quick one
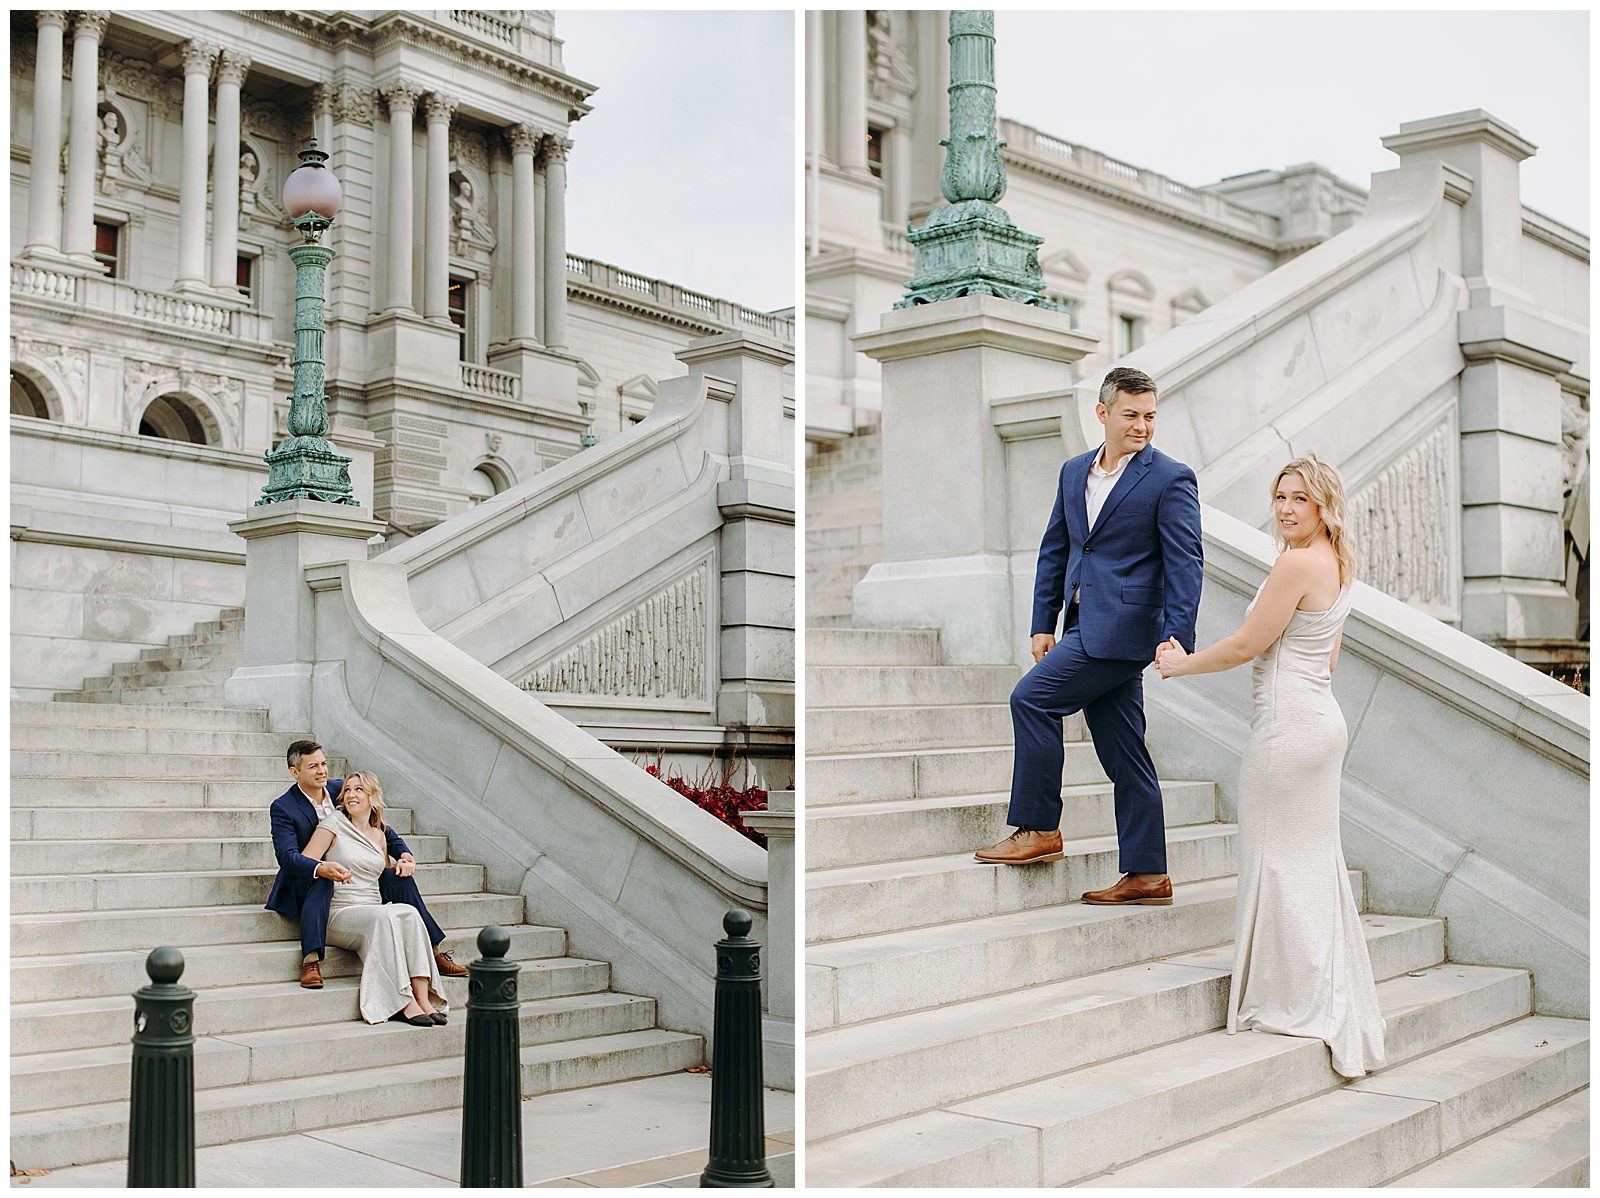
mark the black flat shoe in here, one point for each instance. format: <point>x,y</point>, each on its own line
<point>414,1020</point>
<point>440,1018</point>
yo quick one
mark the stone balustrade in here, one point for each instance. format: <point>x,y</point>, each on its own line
<point>40,282</point>
<point>180,310</point>
<point>485,24</point>
<point>606,279</point>
<point>485,380</point>
<point>95,295</point>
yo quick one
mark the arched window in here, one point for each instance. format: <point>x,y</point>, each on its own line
<point>172,418</point>
<point>484,482</point>
<point>26,398</point>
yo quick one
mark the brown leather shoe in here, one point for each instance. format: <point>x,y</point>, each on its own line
<point>1024,847</point>
<point>447,965</point>
<point>1130,890</point>
<point>311,975</point>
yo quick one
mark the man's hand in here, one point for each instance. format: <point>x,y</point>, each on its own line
<point>1170,643</point>
<point>1043,642</point>
<point>406,866</point>
<point>332,869</point>
<point>1170,659</point>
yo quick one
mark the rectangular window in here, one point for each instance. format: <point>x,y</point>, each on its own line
<point>245,275</point>
<point>108,247</point>
<point>875,151</point>
<point>457,308</point>
<point>1128,327</point>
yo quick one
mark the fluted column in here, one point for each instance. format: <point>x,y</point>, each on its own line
<point>402,98</point>
<point>44,176</point>
<point>853,90</point>
<point>436,259</point>
<point>555,240</point>
<point>197,59</point>
<point>78,234</point>
<point>524,141</point>
<point>231,69</point>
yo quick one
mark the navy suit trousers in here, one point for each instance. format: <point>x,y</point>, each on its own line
<point>391,888</point>
<point>1110,693</point>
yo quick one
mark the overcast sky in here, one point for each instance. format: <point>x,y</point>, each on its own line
<point>685,169</point>
<point>1198,96</point>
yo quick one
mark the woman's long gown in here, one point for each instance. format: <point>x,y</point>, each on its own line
<point>1301,966</point>
<point>390,937</point>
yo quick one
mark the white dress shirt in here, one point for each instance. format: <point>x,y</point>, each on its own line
<point>324,809</point>
<point>1102,483</point>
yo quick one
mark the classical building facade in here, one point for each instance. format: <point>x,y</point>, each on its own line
<point>152,299</point>
<point>1131,255</point>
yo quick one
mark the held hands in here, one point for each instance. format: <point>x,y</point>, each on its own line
<point>332,869</point>
<point>1170,656</point>
<point>406,866</point>
<point>1043,642</point>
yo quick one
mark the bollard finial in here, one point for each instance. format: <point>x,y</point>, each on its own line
<point>738,922</point>
<point>165,966</point>
<point>494,941</point>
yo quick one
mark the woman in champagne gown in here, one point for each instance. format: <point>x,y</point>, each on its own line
<point>399,977</point>
<point>1301,966</point>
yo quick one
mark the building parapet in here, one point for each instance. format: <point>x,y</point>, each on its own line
<point>603,282</point>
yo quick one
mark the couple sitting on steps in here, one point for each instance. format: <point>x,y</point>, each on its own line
<point>1122,549</point>
<point>334,876</point>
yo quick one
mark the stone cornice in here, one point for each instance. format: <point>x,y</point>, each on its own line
<point>1553,233</point>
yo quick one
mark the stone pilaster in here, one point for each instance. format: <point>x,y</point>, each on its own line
<point>78,233</point>
<point>231,70</point>
<point>198,57</point>
<point>402,99</point>
<point>44,179</point>
<point>436,251</point>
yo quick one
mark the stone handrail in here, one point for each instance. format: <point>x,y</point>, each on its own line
<point>591,841</point>
<point>1456,752</point>
<point>485,380</point>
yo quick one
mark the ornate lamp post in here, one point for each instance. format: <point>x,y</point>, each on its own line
<point>305,465</point>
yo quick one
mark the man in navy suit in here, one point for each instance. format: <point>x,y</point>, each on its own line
<point>303,888</point>
<point>1122,550</point>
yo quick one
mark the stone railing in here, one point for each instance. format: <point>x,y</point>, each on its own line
<point>165,311</point>
<point>485,380</point>
<point>485,24</point>
<point>1026,141</point>
<point>39,282</point>
<point>894,240</point>
<point>181,311</point>
<point>627,285</point>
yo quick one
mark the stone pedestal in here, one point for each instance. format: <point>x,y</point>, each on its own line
<point>280,644</point>
<point>549,377</point>
<point>776,823</point>
<point>414,351</point>
<point>946,544</point>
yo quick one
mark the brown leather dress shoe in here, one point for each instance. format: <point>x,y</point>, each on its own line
<point>447,965</point>
<point>311,975</point>
<point>1132,891</point>
<point>1024,847</point>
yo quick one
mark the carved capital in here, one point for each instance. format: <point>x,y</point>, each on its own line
<point>524,139</point>
<point>440,107</point>
<point>198,56</point>
<point>51,16</point>
<point>401,97</point>
<point>232,67</point>
<point>322,97</point>
<point>91,24</point>
<point>556,148</point>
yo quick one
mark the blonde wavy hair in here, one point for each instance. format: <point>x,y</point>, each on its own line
<point>374,792</point>
<point>1326,490</point>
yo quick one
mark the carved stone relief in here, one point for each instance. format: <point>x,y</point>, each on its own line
<point>120,159</point>
<point>354,104</point>
<point>1402,525</point>
<point>469,218</point>
<point>68,363</point>
<point>656,651</point>
<point>258,196</point>
<point>888,64</point>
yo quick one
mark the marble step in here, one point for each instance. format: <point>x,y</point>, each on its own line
<point>889,1069</point>
<point>162,741</point>
<point>1375,1129</point>
<point>79,1135</point>
<point>1080,1123</point>
<point>231,634</point>
<point>108,931</point>
<point>98,1075</point>
<point>1549,1149</point>
<point>872,647</point>
<point>145,715</point>
<point>831,730</point>
<point>209,695</point>
<point>65,1024</point>
<point>30,858</point>
<point>862,833</point>
<point>80,974</point>
<point>211,888</point>
<point>165,679</point>
<point>213,654</point>
<point>870,977</point>
<point>907,686</point>
<point>826,606</point>
<point>147,792</point>
<point>927,773</point>
<point>152,823</point>
<point>266,768</point>
<point>860,900</point>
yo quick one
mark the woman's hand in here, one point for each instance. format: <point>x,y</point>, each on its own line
<point>1170,659</point>
<point>405,867</point>
<point>333,870</point>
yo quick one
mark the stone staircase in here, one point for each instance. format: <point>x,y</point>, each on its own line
<point>139,819</point>
<point>977,1025</point>
<point>844,524</point>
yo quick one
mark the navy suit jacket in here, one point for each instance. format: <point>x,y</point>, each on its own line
<point>294,819</point>
<point>1138,571</point>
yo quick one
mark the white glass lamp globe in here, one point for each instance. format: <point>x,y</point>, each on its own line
<point>312,188</point>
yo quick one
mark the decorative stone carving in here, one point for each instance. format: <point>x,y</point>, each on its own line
<point>258,198</point>
<point>270,119</point>
<point>232,67</point>
<point>888,66</point>
<point>322,99</point>
<point>120,163</point>
<point>555,148</point>
<point>68,363</point>
<point>469,222</point>
<point>1574,443</point>
<point>94,22</point>
<point>198,55</point>
<point>470,147</point>
<point>135,79</point>
<point>655,651</point>
<point>440,107</point>
<point>523,137</point>
<point>355,105</point>
<point>1401,522</point>
<point>401,96</point>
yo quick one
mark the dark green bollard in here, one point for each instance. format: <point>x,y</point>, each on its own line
<point>738,1154</point>
<point>161,1102</point>
<point>491,1106</point>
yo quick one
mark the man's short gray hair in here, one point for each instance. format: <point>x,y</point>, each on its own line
<point>1124,378</point>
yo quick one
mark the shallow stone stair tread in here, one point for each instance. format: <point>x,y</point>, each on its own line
<point>1547,1148</point>
<point>109,817</point>
<point>881,807</point>
<point>145,715</point>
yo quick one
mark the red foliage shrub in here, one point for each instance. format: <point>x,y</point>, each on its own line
<point>713,790</point>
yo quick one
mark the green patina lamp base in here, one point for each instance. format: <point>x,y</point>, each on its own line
<point>974,248</point>
<point>307,468</point>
